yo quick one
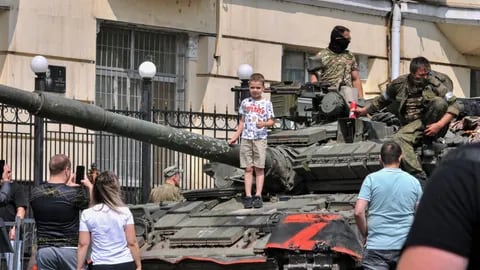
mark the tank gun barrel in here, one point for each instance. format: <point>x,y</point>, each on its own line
<point>90,116</point>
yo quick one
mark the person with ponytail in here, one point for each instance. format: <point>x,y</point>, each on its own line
<point>109,226</point>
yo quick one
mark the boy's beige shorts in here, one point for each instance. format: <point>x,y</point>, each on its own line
<point>252,153</point>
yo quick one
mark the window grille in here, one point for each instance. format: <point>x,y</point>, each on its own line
<point>120,51</point>
<point>118,86</point>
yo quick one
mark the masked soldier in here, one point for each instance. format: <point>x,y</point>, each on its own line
<point>336,65</point>
<point>170,190</point>
<point>426,105</point>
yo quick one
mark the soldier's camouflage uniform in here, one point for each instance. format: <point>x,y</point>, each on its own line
<point>337,68</point>
<point>166,192</point>
<point>417,108</point>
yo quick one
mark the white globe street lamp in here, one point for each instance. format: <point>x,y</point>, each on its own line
<point>244,72</point>
<point>39,64</point>
<point>147,70</point>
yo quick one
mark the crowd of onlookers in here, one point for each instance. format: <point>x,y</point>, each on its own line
<point>101,237</point>
<point>104,230</point>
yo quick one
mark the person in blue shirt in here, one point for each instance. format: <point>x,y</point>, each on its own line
<point>391,197</point>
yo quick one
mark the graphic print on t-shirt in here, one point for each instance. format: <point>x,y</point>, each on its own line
<point>254,111</point>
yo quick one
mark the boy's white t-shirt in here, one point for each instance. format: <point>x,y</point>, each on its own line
<point>255,110</point>
<point>107,228</point>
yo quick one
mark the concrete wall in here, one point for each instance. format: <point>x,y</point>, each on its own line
<point>185,15</point>
<point>425,39</point>
<point>301,25</point>
<point>62,31</point>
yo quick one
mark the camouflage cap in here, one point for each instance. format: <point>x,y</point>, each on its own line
<point>171,171</point>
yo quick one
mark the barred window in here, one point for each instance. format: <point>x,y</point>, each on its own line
<point>118,86</point>
<point>121,50</point>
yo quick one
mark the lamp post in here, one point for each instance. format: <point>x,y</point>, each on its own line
<point>147,71</point>
<point>244,72</point>
<point>39,66</point>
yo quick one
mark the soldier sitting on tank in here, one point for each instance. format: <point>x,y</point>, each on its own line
<point>426,107</point>
<point>336,65</point>
<point>170,190</point>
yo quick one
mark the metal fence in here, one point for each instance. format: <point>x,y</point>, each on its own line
<point>109,151</point>
<point>19,250</point>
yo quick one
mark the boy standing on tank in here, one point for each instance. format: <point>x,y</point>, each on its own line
<point>256,116</point>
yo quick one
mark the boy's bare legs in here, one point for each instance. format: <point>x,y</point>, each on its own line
<point>248,181</point>
<point>259,179</point>
<point>247,203</point>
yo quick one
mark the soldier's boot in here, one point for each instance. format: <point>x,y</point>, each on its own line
<point>428,151</point>
<point>427,148</point>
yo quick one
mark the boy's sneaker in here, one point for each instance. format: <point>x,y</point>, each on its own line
<point>257,202</point>
<point>247,202</point>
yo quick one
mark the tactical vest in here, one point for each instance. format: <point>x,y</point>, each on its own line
<point>414,107</point>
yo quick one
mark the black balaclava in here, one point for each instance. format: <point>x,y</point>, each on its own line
<point>338,43</point>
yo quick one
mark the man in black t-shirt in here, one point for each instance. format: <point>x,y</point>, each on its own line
<point>446,231</point>
<point>13,203</point>
<point>56,207</point>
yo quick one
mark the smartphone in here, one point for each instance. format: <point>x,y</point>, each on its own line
<point>79,174</point>
<point>2,164</point>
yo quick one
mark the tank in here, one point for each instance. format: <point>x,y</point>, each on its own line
<point>313,175</point>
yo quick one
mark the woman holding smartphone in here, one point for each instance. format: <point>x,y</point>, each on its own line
<point>109,226</point>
